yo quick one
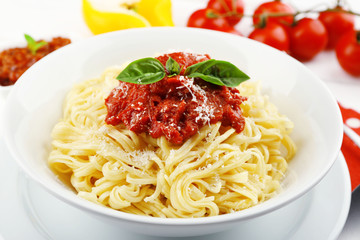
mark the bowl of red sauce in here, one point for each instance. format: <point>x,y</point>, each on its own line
<point>15,59</point>
<point>157,102</point>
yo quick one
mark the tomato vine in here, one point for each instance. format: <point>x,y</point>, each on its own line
<point>279,25</point>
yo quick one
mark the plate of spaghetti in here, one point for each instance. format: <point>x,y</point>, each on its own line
<point>173,131</point>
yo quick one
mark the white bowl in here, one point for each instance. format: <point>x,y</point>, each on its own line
<point>35,105</point>
<point>5,90</point>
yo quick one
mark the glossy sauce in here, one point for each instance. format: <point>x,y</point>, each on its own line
<point>175,107</point>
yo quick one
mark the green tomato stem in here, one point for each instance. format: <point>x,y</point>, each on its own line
<point>211,14</point>
<point>281,14</point>
<point>225,6</point>
<point>337,9</point>
<point>338,3</point>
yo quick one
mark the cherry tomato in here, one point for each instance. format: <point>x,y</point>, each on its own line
<point>337,23</point>
<point>348,52</point>
<point>273,34</point>
<point>208,18</point>
<point>307,38</point>
<point>274,7</point>
<point>226,7</point>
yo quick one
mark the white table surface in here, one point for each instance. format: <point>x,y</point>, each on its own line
<point>50,18</point>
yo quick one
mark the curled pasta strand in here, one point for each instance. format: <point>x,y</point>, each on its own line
<point>217,171</point>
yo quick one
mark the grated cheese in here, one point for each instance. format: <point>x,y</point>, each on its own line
<point>205,112</point>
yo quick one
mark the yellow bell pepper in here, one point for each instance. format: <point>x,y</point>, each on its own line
<point>157,12</point>
<point>111,15</point>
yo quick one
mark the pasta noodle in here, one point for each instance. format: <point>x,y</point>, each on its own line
<point>217,171</point>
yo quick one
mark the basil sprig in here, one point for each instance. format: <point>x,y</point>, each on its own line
<point>217,72</point>
<point>173,67</point>
<point>143,71</point>
<point>32,45</point>
<point>150,70</point>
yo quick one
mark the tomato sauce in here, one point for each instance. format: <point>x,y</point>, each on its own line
<point>15,61</point>
<point>175,107</point>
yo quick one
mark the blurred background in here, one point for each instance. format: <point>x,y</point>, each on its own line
<point>44,19</point>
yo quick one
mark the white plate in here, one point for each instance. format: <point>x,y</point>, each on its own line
<point>29,212</point>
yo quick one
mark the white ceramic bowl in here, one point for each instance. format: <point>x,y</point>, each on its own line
<point>35,105</point>
<point>5,90</point>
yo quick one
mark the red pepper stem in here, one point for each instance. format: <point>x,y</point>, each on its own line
<point>358,37</point>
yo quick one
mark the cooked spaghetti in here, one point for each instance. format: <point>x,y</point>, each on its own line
<point>216,171</point>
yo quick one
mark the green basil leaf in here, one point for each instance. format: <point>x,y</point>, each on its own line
<point>30,41</point>
<point>39,45</point>
<point>143,71</point>
<point>217,72</point>
<point>32,45</point>
<point>173,67</point>
<point>207,78</point>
